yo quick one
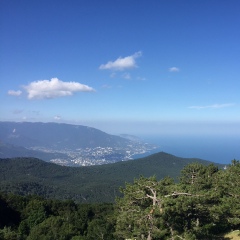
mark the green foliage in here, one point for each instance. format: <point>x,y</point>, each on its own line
<point>54,227</point>
<point>43,219</point>
<point>203,204</point>
<point>139,212</point>
<point>7,234</point>
<point>228,187</point>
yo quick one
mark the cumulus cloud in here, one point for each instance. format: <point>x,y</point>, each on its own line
<point>14,93</point>
<point>121,64</point>
<point>54,88</point>
<point>213,106</point>
<point>173,69</point>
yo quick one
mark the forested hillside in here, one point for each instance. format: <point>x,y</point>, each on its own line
<point>34,218</point>
<point>204,204</point>
<point>26,176</point>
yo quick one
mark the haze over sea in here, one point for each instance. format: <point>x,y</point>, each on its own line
<point>208,140</point>
<point>219,149</point>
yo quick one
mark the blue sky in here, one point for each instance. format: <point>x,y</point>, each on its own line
<point>138,67</point>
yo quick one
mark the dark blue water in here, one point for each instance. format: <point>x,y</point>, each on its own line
<point>219,149</point>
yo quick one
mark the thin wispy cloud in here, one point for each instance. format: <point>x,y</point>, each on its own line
<point>174,69</point>
<point>126,76</point>
<point>214,106</point>
<point>17,111</point>
<point>113,75</point>
<point>121,64</point>
<point>34,112</point>
<point>106,86</point>
<point>14,93</point>
<point>47,89</point>
<point>141,78</point>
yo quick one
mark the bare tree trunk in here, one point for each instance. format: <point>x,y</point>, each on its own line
<point>149,236</point>
<point>171,230</point>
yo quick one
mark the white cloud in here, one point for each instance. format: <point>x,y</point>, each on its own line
<point>173,69</point>
<point>213,106</point>
<point>121,64</point>
<point>54,88</point>
<point>14,93</point>
<point>57,117</point>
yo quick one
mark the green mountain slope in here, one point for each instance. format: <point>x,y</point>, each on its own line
<point>84,184</point>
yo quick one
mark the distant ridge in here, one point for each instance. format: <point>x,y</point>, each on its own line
<point>66,144</point>
<point>57,135</point>
<point>84,184</point>
<point>12,151</point>
<point>131,137</point>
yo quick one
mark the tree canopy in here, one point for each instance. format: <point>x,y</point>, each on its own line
<point>204,203</point>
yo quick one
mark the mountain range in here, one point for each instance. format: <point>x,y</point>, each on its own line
<point>67,144</point>
<point>23,144</point>
<point>98,183</point>
<point>57,136</point>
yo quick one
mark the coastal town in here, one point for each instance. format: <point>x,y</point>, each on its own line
<point>99,155</point>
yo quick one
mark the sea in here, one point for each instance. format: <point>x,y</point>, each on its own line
<point>219,149</point>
